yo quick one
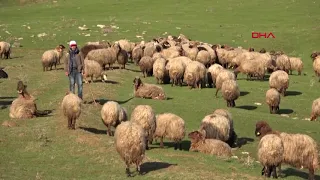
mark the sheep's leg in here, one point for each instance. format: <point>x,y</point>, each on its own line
<point>274,172</point>
<point>263,171</point>
<point>180,145</point>
<point>299,73</point>
<point>279,170</point>
<point>44,69</point>
<point>313,117</point>
<point>180,82</point>
<point>161,142</point>
<point>128,171</point>
<point>217,92</point>
<point>172,82</point>
<point>147,145</point>
<point>268,173</point>
<point>290,72</point>
<point>109,131</point>
<point>232,103</point>
<point>69,123</point>
<point>311,174</point>
<point>175,145</point>
<point>271,109</point>
<point>74,123</point>
<point>228,103</point>
<point>124,66</point>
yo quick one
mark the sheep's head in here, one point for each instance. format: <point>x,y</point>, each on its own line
<point>251,49</point>
<point>314,55</point>
<point>196,136</point>
<point>21,88</point>
<point>137,83</point>
<point>166,45</point>
<point>262,50</point>
<point>262,128</point>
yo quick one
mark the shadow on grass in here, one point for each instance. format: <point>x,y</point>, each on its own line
<point>94,130</point>
<point>154,166</point>
<point>8,97</point>
<point>185,145</point>
<point>243,141</point>
<point>285,111</point>
<point>293,93</point>
<point>111,82</point>
<point>293,172</point>
<point>44,113</point>
<point>5,104</point>
<point>243,93</point>
<point>247,107</point>
<point>103,101</point>
<point>132,70</point>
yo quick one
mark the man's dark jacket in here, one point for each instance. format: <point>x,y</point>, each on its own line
<point>79,61</point>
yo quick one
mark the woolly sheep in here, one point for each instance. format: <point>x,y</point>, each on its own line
<point>160,72</point>
<point>314,55</point>
<point>300,150</point>
<point>150,48</point>
<point>208,146</point>
<point>283,63</point>
<point>273,100</point>
<point>93,69</point>
<point>122,58</point>
<point>195,75</point>
<point>5,49</point>
<point>315,109</point>
<point>224,75</point>
<point>112,114</point>
<point>211,51</point>
<point>126,45</point>
<point>213,72</point>
<point>145,117</point>
<point>204,58</point>
<point>51,57</point>
<point>157,56</point>
<point>279,80</point>
<point>270,153</point>
<point>89,47</point>
<point>230,92</point>
<point>130,144</point>
<point>170,53</point>
<point>316,67</point>
<point>215,126</point>
<point>71,108</point>
<point>145,90</point>
<point>146,65</point>
<point>254,67</point>
<point>137,54</point>
<point>296,64</point>
<point>170,126</point>
<point>190,50</point>
<point>176,70</point>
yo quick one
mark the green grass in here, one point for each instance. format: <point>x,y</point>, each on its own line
<point>43,148</point>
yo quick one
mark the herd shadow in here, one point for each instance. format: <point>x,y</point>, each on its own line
<point>247,107</point>
<point>133,70</point>
<point>285,111</point>
<point>185,145</point>
<point>293,172</point>
<point>243,93</point>
<point>154,166</point>
<point>6,101</point>
<point>103,101</point>
<point>44,113</point>
<point>243,141</point>
<point>293,93</point>
<point>94,130</point>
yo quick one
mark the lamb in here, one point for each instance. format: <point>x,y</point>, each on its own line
<point>145,117</point>
<point>213,72</point>
<point>144,90</point>
<point>51,57</point>
<point>160,72</point>
<point>3,74</point>
<point>195,74</point>
<point>208,146</point>
<point>146,65</point>
<point>105,56</point>
<point>270,153</point>
<point>170,126</point>
<point>176,70</point>
<point>93,69</point>
<point>273,100</point>
<point>5,50</point>
<point>230,92</point>
<point>71,108</point>
<point>296,64</point>
<point>316,67</point>
<point>300,150</point>
<point>279,80</point>
<point>315,109</point>
<point>122,58</point>
<point>112,114</point>
<point>130,144</point>
<point>224,75</point>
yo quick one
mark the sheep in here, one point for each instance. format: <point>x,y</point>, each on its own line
<point>315,109</point>
<point>146,65</point>
<point>156,56</point>
<point>145,117</point>
<point>112,114</point>
<point>254,67</point>
<point>208,146</point>
<point>137,53</point>
<point>71,108</point>
<point>224,75</point>
<point>61,53</point>
<point>270,153</point>
<point>232,141</point>
<point>176,70</point>
<point>89,47</point>
<point>170,53</point>
<point>93,69</point>
<point>105,56</point>
<point>126,46</point>
<point>150,48</point>
<point>316,67</point>
<point>283,62</point>
<point>160,72</point>
<point>5,50</point>
<point>215,126</point>
<point>51,57</point>
<point>195,75</point>
<point>170,126</point>
<point>213,72</point>
<point>279,80</point>
<point>273,100</point>
<point>190,50</point>
<point>3,74</point>
<point>122,59</point>
<point>296,64</point>
<point>144,90</point>
<point>130,144</point>
<point>300,150</point>
<point>230,92</point>
<point>211,51</point>
<point>314,55</point>
<point>204,58</point>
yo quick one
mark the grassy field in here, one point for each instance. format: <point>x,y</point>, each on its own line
<point>43,148</point>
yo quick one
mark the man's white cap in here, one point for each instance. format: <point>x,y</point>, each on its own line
<point>72,43</point>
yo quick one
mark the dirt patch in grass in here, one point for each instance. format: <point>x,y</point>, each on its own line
<point>89,139</point>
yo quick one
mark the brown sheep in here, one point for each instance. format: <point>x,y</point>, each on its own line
<point>315,109</point>
<point>300,150</point>
<point>160,72</point>
<point>71,108</point>
<point>145,117</point>
<point>146,66</point>
<point>137,54</point>
<point>51,57</point>
<point>283,62</point>
<point>144,90</point>
<point>130,144</point>
<point>316,67</point>
<point>5,49</point>
<point>280,81</point>
<point>93,69</point>
<point>296,64</point>
<point>122,58</point>
<point>208,146</point>
<point>273,100</point>
<point>314,55</point>
<point>176,70</point>
<point>223,75</point>
<point>230,92</point>
<point>170,126</point>
<point>195,75</point>
<point>89,47</point>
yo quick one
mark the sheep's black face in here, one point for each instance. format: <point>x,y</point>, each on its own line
<point>137,82</point>
<point>20,87</point>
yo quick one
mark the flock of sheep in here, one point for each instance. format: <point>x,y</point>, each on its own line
<point>179,61</point>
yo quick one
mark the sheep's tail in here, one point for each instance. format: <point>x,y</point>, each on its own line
<point>40,113</point>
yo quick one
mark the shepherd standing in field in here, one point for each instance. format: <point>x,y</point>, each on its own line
<point>74,68</point>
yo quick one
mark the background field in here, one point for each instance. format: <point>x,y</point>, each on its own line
<point>43,148</point>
